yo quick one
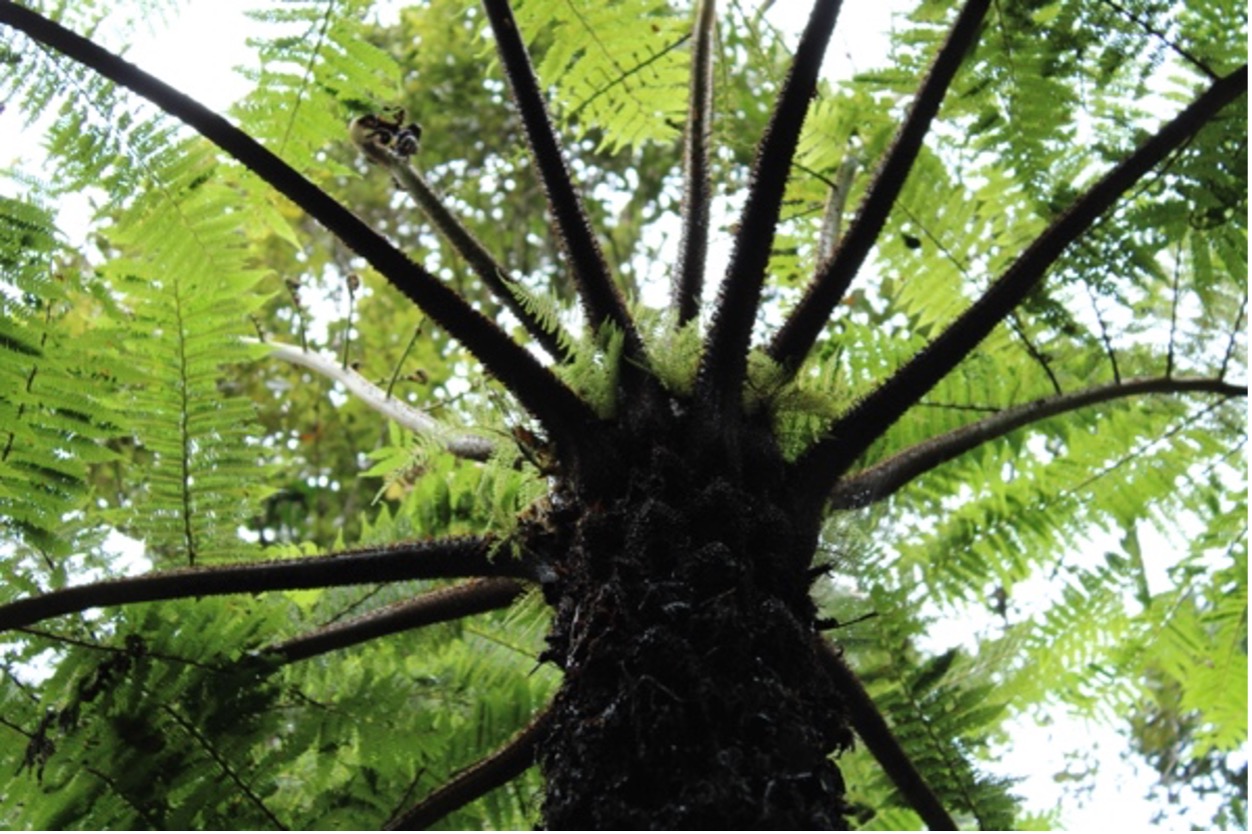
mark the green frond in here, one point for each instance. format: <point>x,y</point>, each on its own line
<point>129,729</point>
<point>941,710</point>
<point>53,425</point>
<point>1201,644</point>
<point>34,82</point>
<point>317,70</point>
<point>594,371</point>
<point>673,352</point>
<point>186,287</point>
<point>620,69</point>
<point>544,308</point>
<point>427,492</point>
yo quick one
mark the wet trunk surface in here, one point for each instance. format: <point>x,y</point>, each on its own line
<point>693,696</point>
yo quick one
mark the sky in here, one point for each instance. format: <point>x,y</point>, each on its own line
<point>196,53</point>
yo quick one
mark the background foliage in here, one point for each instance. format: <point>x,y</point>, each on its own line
<point>1099,557</point>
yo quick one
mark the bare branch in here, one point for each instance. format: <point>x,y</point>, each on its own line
<point>885,478</point>
<point>724,362</point>
<point>436,606</point>
<point>819,467</point>
<point>836,204</point>
<point>505,764</point>
<point>600,297</point>
<point>697,191</point>
<point>555,405</point>
<point>795,338</point>
<point>882,744</point>
<point>493,275</point>
<point>415,420</point>
<point>440,559</point>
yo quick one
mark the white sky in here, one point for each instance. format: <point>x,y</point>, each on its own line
<point>197,53</point>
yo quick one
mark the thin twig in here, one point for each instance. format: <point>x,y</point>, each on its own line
<point>221,762</point>
<point>1173,45</point>
<point>1173,311</point>
<point>395,373</point>
<point>1105,338</point>
<point>1234,334</point>
<point>1015,323</point>
<point>115,650</point>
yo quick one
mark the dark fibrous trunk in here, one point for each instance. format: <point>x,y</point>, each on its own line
<point>693,695</point>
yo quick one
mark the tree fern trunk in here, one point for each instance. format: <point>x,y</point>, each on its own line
<point>693,696</point>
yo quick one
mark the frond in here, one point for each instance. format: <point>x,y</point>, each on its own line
<point>1201,641</point>
<point>188,288</point>
<point>135,729</point>
<point>53,423</point>
<point>673,352</point>
<point>620,69</point>
<point>594,369</point>
<point>317,69</point>
<point>941,711</point>
<point>38,82</point>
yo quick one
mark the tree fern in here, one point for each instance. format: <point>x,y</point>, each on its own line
<point>1037,352</point>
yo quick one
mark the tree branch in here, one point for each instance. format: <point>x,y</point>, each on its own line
<point>436,606</point>
<point>440,559</point>
<point>882,744</point>
<point>600,297</point>
<point>819,468</point>
<point>697,192</point>
<point>885,478</point>
<point>505,764</point>
<point>541,393</point>
<point>836,203</point>
<point>795,338</point>
<point>724,362</point>
<point>415,420</point>
<point>493,275</point>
